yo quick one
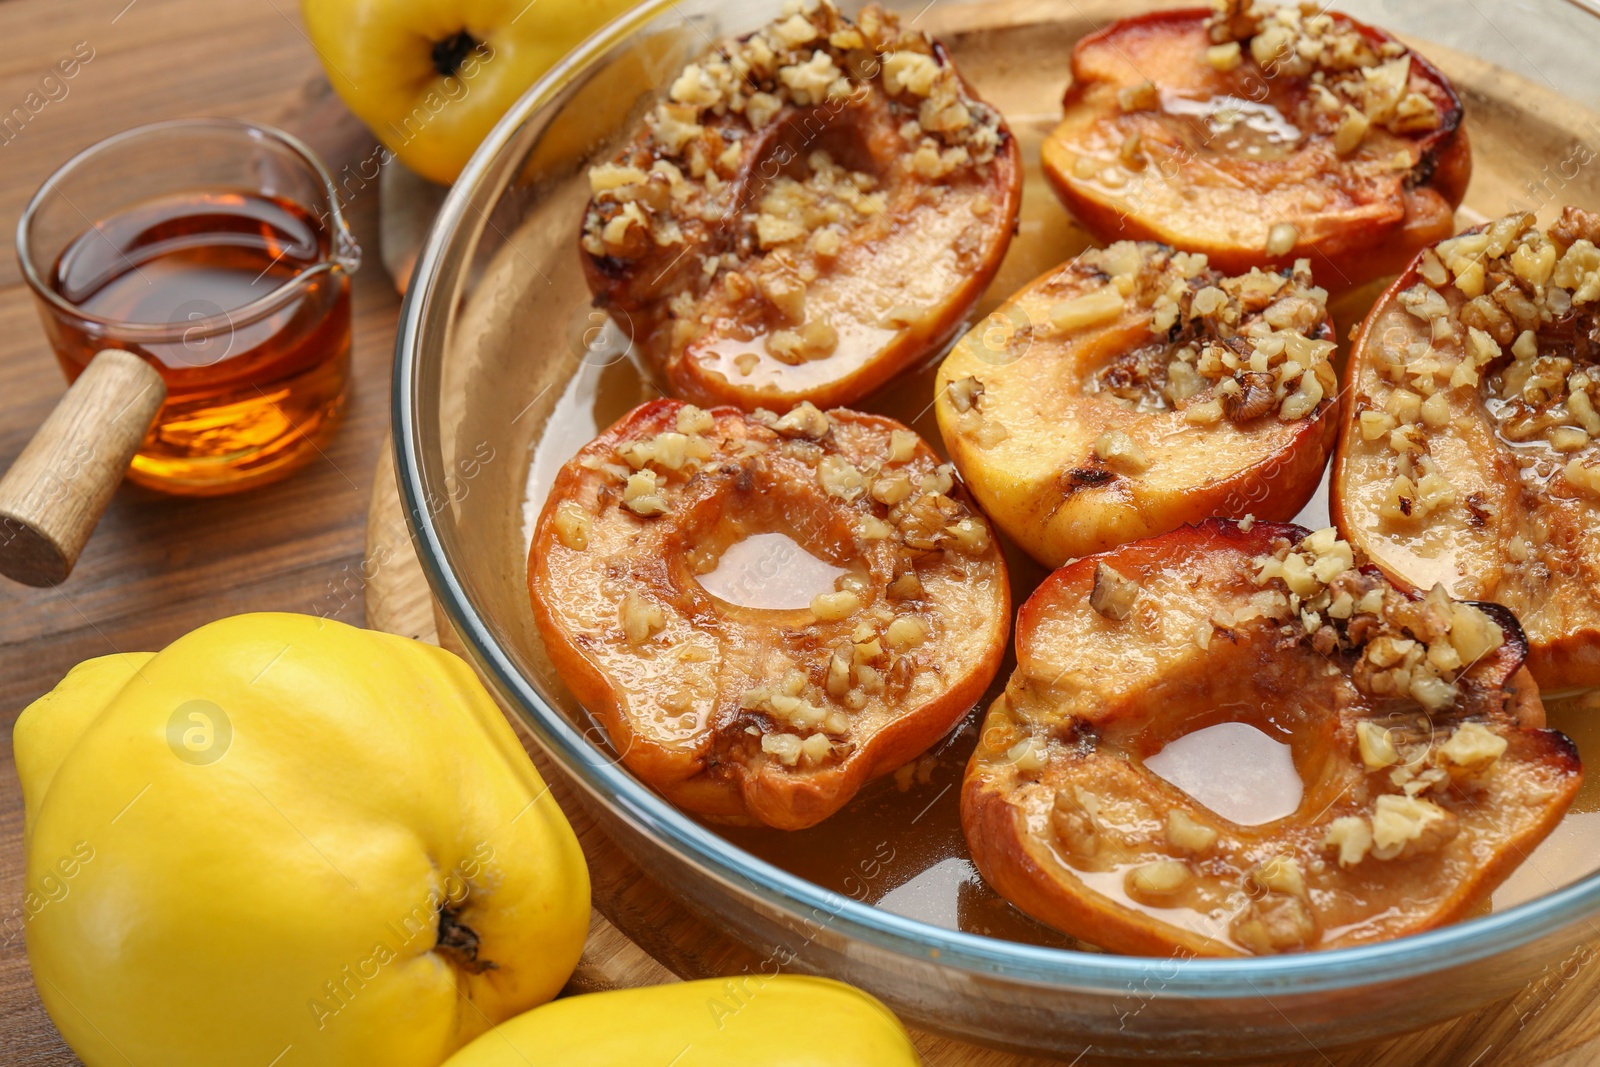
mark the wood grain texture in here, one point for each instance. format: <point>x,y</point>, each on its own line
<point>159,566</point>
<point>52,497</point>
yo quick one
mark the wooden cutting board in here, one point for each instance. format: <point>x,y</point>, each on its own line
<point>639,935</point>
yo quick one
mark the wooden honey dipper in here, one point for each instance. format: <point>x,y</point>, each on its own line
<point>56,490</point>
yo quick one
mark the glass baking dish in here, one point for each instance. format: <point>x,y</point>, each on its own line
<point>503,369</point>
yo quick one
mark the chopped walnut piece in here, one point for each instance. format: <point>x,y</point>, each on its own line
<point>1188,836</point>
<point>1074,817</point>
<point>1472,747</point>
<point>1352,836</point>
<point>803,421</point>
<point>1091,309</point>
<point>642,494</point>
<point>1407,826</point>
<point>1113,595</point>
<point>573,526</point>
<point>1121,452</point>
<point>1275,923</point>
<point>640,619</point>
<point>1156,881</point>
<point>831,607</point>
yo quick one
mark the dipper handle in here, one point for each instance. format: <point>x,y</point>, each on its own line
<point>54,493</point>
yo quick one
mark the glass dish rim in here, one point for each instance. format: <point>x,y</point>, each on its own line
<point>1333,970</point>
<point>167,333</point>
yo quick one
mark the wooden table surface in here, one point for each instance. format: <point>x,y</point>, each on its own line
<point>159,566</point>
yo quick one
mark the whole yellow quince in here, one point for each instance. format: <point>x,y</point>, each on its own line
<point>748,1021</point>
<point>284,840</point>
<point>431,77</point>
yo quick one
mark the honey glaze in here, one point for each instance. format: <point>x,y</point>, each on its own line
<point>898,846</point>
<point>1234,125</point>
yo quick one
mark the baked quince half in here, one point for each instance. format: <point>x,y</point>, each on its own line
<point>811,209</point>
<point>1469,453</point>
<point>1136,389</point>
<point>767,612</point>
<point>1258,135</point>
<point>1232,739</point>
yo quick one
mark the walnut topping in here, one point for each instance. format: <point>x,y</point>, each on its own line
<point>803,421</point>
<point>1399,648</point>
<point>1142,97</point>
<point>641,619</point>
<point>1281,239</point>
<point>1027,755</point>
<point>1279,916</point>
<point>1405,826</point>
<point>1472,747</point>
<point>642,494</point>
<point>1157,881</point>
<point>831,607</point>
<point>1511,315</point>
<point>1113,596</point>
<point>1352,836</point>
<point>867,638</point>
<point>906,632</point>
<point>683,173</point>
<point>1280,874</point>
<point>1121,453</point>
<point>573,525</point>
<point>1361,82</point>
<point>1188,836</point>
<point>1074,817</point>
<point>1403,647</point>
<point>1241,347</point>
<point>966,395</point>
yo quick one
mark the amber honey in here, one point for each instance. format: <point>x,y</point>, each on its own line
<point>237,299</point>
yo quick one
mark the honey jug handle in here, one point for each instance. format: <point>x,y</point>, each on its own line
<point>54,493</point>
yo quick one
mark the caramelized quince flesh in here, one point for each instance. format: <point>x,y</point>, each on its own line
<point>1417,733</point>
<point>811,210</point>
<point>1468,455</point>
<point>1266,135</point>
<point>1136,389</point>
<point>764,714</point>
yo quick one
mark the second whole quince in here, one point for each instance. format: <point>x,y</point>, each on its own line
<point>431,77</point>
